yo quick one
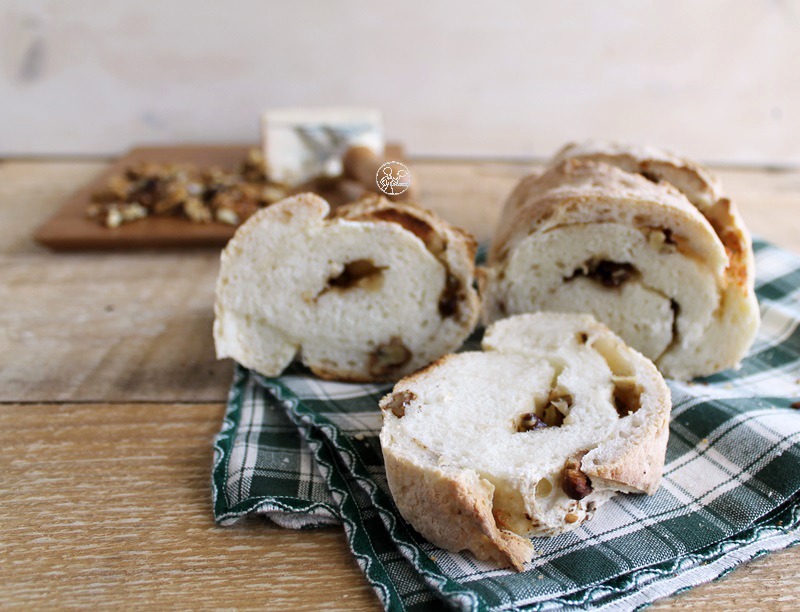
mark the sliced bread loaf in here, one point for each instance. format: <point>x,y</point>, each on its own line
<point>643,240</point>
<point>527,438</point>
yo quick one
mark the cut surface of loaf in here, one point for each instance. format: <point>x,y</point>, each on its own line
<point>640,238</point>
<point>370,292</point>
<point>527,438</point>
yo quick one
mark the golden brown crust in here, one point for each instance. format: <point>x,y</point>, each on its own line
<point>700,186</point>
<point>582,191</point>
<point>696,182</point>
<point>661,196</point>
<point>453,511</point>
<point>424,370</point>
<point>639,466</point>
<point>345,376</point>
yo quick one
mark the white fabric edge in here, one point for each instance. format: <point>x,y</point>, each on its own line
<point>701,574</point>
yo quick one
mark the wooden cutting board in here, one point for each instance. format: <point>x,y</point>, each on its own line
<point>69,229</point>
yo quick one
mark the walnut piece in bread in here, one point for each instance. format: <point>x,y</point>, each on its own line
<point>467,476</point>
<point>370,292</point>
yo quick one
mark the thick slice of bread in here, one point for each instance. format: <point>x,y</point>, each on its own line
<point>370,292</point>
<point>529,437</point>
<point>667,265</point>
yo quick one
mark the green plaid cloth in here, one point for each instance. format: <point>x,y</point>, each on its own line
<point>305,452</point>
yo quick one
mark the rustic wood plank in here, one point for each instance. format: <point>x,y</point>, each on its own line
<point>111,505</point>
<point>769,201</point>
<point>110,327</point>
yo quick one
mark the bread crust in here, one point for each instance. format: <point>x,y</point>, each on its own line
<point>453,511</point>
<point>700,186</point>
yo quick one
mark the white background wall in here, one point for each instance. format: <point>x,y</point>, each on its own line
<point>715,79</point>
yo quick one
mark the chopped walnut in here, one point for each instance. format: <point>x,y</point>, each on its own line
<point>184,190</point>
<point>529,421</point>
<point>608,273</point>
<point>227,215</point>
<point>397,402</point>
<point>574,482</point>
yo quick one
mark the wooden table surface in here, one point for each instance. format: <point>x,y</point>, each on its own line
<point>111,396</point>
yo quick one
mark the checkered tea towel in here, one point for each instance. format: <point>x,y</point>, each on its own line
<point>305,452</point>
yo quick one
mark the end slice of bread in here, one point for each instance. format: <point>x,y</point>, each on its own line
<point>527,438</point>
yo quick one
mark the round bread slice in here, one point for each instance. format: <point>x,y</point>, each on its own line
<point>669,269</point>
<point>527,438</point>
<point>369,292</point>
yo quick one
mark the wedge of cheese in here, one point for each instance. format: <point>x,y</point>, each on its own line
<point>301,144</point>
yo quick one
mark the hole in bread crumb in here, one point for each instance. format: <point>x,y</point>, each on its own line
<point>556,408</point>
<point>676,311</point>
<point>627,395</point>
<point>361,273</point>
<point>650,176</point>
<point>544,487</point>
<point>551,414</point>
<point>610,274</point>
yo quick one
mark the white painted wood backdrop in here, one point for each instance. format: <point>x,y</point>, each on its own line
<point>715,79</point>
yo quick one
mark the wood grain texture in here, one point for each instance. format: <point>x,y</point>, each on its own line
<point>110,328</point>
<point>108,504</point>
